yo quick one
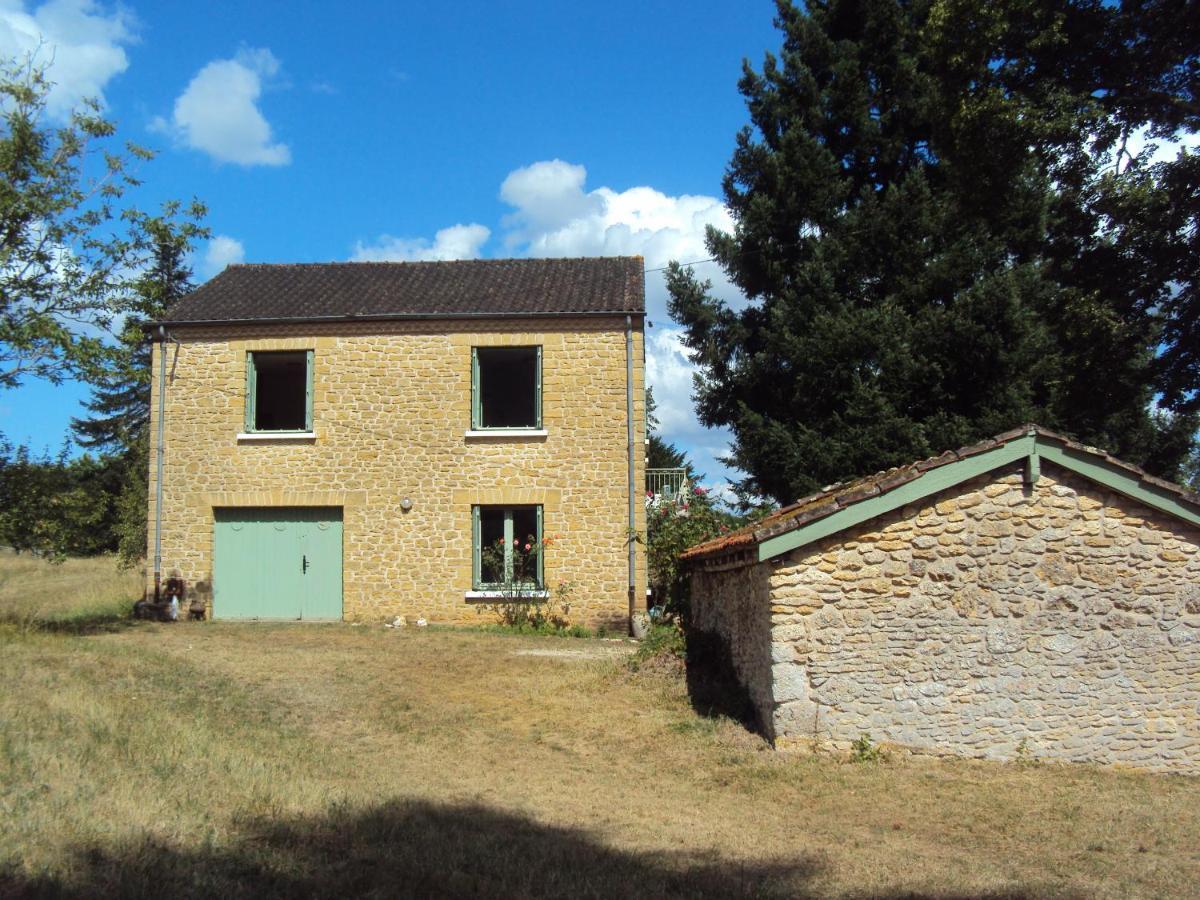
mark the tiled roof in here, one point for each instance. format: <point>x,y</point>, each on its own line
<point>841,496</point>
<point>467,288</point>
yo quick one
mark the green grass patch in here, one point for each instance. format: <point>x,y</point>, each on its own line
<point>73,596</point>
<point>663,643</point>
<point>545,629</point>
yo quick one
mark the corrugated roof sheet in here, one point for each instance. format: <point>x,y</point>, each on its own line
<point>464,288</point>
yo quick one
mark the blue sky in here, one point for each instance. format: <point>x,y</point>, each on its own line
<point>319,132</point>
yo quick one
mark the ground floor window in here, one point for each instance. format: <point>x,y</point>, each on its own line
<point>507,546</point>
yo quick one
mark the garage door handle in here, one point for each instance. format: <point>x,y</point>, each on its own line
<point>303,564</point>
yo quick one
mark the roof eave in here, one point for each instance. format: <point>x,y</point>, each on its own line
<point>393,317</point>
<point>929,482</point>
<point>1029,443</point>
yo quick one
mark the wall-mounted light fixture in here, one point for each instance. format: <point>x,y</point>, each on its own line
<point>406,504</point>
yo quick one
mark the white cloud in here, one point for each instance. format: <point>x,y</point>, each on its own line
<point>455,242</point>
<point>221,251</point>
<point>556,215</point>
<point>218,112</point>
<point>80,42</point>
<point>669,372</point>
<point>547,196</point>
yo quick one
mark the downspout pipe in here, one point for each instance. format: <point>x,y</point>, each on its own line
<point>632,530</point>
<point>158,477</point>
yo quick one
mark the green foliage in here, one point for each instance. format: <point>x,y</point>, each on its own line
<point>662,640</point>
<point>663,455</point>
<point>120,402</point>
<point>132,504</point>
<point>1024,756</point>
<point>544,628</point>
<point>1191,472</point>
<point>69,255</point>
<point>674,525</point>
<point>863,750</point>
<point>57,507</point>
<point>76,262</point>
<point>523,605</point>
<point>943,233</point>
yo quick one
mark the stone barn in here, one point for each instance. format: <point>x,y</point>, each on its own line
<point>1025,596</point>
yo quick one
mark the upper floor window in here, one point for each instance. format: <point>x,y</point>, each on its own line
<point>506,387</point>
<point>279,391</point>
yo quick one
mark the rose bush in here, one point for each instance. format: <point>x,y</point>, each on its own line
<point>673,524</point>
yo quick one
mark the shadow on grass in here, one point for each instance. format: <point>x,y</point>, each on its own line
<point>407,849</point>
<point>417,849</point>
<point>102,620</point>
<point>712,682</point>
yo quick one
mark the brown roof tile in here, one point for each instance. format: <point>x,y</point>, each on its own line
<point>464,288</point>
<point>839,496</point>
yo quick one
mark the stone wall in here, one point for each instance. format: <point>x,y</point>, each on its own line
<point>995,620</point>
<point>391,408</point>
<point>733,604</point>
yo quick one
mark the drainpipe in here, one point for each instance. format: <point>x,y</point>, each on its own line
<point>632,486</point>
<point>158,479</point>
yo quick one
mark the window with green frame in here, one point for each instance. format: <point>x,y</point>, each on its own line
<point>279,391</point>
<point>507,542</point>
<point>506,387</point>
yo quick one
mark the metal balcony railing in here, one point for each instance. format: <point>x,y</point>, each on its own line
<point>666,484</point>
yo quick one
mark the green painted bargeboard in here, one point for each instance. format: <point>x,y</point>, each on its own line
<point>277,563</point>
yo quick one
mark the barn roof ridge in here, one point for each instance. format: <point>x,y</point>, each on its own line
<point>843,505</point>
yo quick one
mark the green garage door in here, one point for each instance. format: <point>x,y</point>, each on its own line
<point>277,563</point>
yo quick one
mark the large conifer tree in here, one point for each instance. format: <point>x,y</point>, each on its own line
<point>942,233</point>
<point>120,402</point>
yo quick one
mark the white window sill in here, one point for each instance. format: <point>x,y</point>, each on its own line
<point>500,595</point>
<point>507,433</point>
<point>278,436</point>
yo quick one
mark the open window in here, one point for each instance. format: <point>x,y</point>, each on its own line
<point>506,388</point>
<point>507,547</point>
<point>279,391</point>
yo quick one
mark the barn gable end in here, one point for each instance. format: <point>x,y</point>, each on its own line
<point>1001,616</point>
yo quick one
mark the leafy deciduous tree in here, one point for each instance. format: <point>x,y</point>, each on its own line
<point>65,246</point>
<point>75,261</point>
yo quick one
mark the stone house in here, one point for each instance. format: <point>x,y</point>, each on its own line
<point>1023,596</point>
<point>345,441</point>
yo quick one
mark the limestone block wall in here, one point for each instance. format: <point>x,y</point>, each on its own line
<point>994,620</point>
<point>391,408</point>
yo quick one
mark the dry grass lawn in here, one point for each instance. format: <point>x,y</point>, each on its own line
<point>35,592</point>
<point>250,761</point>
